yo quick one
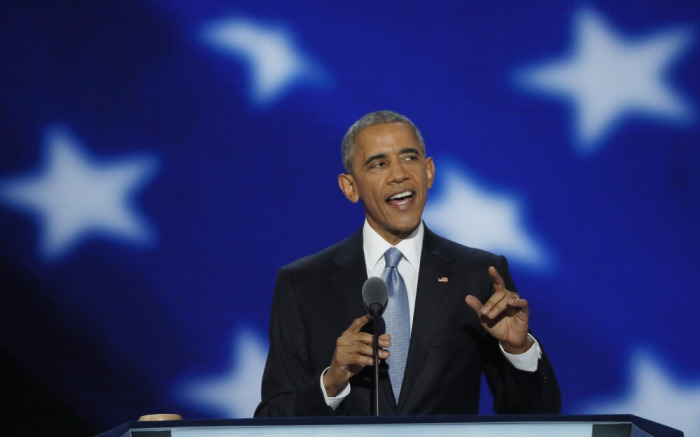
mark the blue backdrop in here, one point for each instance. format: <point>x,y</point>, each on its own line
<point>159,161</point>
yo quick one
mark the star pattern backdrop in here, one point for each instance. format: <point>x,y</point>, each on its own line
<point>159,161</point>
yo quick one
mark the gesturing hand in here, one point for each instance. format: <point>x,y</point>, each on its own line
<point>504,315</point>
<point>353,351</point>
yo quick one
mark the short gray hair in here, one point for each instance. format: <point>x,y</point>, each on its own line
<point>369,120</point>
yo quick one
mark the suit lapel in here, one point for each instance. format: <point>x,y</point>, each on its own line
<point>350,276</point>
<point>430,297</point>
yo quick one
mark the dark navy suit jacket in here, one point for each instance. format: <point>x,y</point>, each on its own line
<point>316,298</point>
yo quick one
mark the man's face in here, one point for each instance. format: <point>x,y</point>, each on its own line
<point>391,177</point>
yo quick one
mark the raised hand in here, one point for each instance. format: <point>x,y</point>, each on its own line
<point>505,315</point>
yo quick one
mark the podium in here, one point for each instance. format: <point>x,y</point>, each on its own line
<point>404,426</point>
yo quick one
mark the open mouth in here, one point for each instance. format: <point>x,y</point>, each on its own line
<point>401,198</point>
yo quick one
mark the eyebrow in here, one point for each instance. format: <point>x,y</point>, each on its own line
<point>383,155</point>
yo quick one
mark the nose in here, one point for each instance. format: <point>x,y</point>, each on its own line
<point>397,172</point>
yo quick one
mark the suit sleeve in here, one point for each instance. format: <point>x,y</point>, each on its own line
<point>289,386</point>
<point>517,391</point>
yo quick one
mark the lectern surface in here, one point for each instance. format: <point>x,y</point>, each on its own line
<point>446,426</point>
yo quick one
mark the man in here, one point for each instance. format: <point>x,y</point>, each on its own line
<point>464,314</point>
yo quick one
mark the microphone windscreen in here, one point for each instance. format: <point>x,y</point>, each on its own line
<point>375,291</point>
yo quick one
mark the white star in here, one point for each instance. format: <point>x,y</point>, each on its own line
<point>74,197</point>
<point>608,78</point>
<point>275,61</point>
<point>472,217</point>
<point>236,393</point>
<point>656,397</point>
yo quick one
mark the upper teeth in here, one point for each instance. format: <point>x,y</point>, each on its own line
<point>400,195</point>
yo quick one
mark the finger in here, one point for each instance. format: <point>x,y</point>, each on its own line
<point>363,338</point>
<point>520,304</point>
<point>385,340</point>
<point>355,338</point>
<point>474,303</point>
<point>368,360</point>
<point>493,302</point>
<point>357,324</point>
<point>497,279</point>
<point>352,359</point>
<point>352,352</point>
<point>358,350</point>
<point>509,300</point>
<point>481,310</point>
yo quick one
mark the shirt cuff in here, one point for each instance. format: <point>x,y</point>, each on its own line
<point>335,401</point>
<point>526,361</point>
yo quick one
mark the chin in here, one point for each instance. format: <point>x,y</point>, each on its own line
<point>406,228</point>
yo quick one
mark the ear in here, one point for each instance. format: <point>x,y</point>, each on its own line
<point>430,171</point>
<point>347,185</point>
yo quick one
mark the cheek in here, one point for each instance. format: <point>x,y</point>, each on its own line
<point>370,191</point>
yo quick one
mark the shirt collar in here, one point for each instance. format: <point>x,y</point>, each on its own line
<point>374,246</point>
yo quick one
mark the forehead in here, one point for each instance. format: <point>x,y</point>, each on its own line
<point>381,138</point>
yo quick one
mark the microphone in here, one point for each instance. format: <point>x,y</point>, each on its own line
<point>375,294</point>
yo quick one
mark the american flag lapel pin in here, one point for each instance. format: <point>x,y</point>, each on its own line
<point>443,279</point>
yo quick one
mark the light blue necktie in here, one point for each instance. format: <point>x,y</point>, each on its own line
<point>397,319</point>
